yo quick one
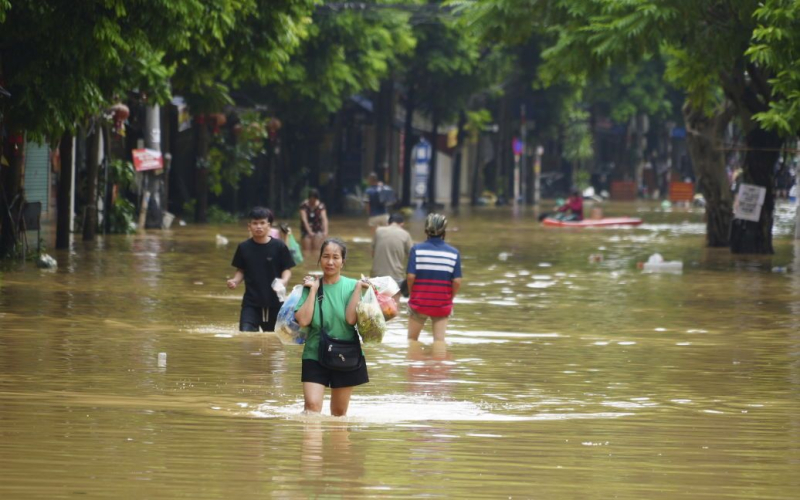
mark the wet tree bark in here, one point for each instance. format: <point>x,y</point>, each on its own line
<point>12,193</point>
<point>763,150</point>
<point>455,187</point>
<point>433,165</point>
<point>201,169</point>
<point>704,140</point>
<point>92,168</point>
<point>408,145</point>
<point>63,213</point>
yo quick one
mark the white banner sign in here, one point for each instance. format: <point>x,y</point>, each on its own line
<point>749,201</point>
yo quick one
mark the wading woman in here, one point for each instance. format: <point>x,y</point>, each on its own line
<point>330,303</point>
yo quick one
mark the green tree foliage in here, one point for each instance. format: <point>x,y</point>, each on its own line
<point>706,41</point>
<point>345,53</point>
<point>776,45</point>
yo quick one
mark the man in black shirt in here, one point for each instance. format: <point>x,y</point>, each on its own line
<point>259,261</point>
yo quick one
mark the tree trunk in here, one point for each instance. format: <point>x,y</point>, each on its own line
<point>433,165</point>
<point>455,187</point>
<point>13,196</point>
<point>383,122</point>
<point>201,166</point>
<point>408,146</point>
<point>63,212</point>
<point>92,168</point>
<point>763,150</point>
<point>475,187</point>
<point>704,140</point>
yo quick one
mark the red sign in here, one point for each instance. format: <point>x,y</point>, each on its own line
<point>147,159</point>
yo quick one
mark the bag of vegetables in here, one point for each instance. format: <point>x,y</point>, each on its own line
<point>370,323</point>
<point>286,327</point>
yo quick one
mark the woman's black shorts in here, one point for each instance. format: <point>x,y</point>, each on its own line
<point>315,372</point>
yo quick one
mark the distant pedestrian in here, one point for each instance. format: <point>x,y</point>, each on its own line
<point>260,260</point>
<point>376,202</point>
<point>391,247</point>
<point>313,221</point>
<point>434,278</point>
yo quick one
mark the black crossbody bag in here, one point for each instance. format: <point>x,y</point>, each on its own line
<point>336,354</point>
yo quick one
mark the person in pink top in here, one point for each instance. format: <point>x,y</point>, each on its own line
<point>573,207</point>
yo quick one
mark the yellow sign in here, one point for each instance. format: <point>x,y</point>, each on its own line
<point>452,138</point>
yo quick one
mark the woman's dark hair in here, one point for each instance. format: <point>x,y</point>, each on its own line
<point>313,193</point>
<point>333,241</point>
<point>258,213</point>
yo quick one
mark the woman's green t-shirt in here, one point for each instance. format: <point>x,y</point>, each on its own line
<point>334,307</point>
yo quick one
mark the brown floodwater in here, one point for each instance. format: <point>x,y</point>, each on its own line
<point>564,376</point>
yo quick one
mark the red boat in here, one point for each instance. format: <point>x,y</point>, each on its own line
<point>606,221</point>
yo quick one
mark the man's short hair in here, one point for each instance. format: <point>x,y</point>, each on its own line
<point>260,213</point>
<point>396,218</point>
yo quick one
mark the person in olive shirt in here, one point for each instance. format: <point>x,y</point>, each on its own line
<point>340,297</point>
<point>258,262</point>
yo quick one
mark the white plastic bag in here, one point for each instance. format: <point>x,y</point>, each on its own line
<point>385,285</point>
<point>280,289</point>
<point>286,327</point>
<point>370,323</point>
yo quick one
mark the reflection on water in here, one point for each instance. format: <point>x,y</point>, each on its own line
<point>566,371</point>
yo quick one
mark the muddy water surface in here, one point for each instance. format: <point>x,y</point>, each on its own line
<point>564,376</point>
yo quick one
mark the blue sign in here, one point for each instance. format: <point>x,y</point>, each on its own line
<point>422,157</point>
<point>517,145</point>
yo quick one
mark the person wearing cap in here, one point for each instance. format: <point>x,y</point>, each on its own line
<point>434,278</point>
<point>391,247</point>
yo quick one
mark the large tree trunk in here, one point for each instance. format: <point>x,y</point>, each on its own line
<point>201,167</point>
<point>63,201</point>
<point>704,141</point>
<point>432,170</point>
<point>383,127</point>
<point>763,150</point>
<point>11,190</point>
<point>455,187</point>
<point>92,168</point>
<point>408,146</point>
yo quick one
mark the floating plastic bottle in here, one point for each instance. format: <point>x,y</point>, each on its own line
<point>657,264</point>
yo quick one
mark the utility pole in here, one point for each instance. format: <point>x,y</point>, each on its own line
<point>523,129</point>
<point>152,182</point>
<point>537,176</point>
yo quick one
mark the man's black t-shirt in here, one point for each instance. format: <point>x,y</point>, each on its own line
<point>261,264</point>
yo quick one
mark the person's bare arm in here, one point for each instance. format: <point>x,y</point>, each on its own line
<point>324,217</point>
<point>237,278</point>
<point>410,281</point>
<point>350,313</point>
<point>456,286</point>
<point>305,314</point>
<point>304,221</point>
<point>286,276</point>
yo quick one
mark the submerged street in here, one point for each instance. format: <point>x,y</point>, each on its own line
<point>568,372</point>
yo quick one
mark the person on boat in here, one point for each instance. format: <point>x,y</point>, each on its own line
<point>573,208</point>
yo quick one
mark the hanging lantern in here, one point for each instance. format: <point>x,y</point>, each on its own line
<point>120,113</point>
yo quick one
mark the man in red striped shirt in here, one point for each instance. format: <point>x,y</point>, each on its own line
<point>434,277</point>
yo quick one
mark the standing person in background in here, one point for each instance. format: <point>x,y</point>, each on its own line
<point>338,304</point>
<point>391,247</point>
<point>434,278</point>
<point>375,206</point>
<point>260,260</point>
<point>313,221</point>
